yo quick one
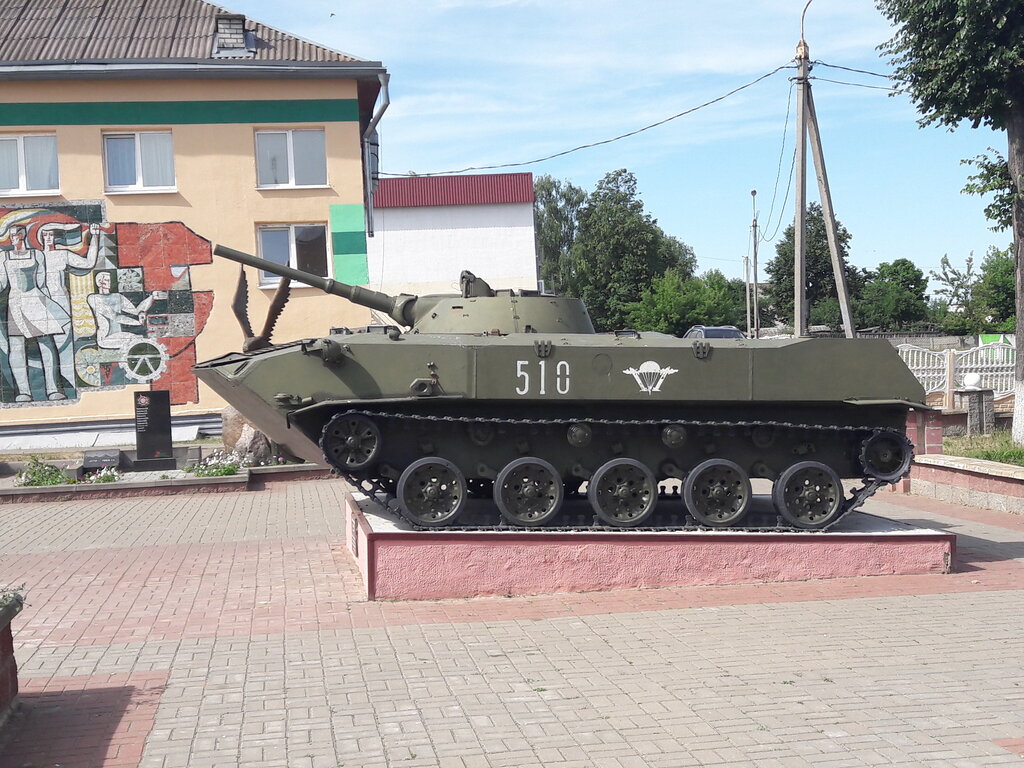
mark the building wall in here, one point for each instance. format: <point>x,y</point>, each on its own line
<point>213,124</point>
<point>423,249</point>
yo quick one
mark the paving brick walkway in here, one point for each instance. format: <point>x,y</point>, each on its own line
<point>225,630</point>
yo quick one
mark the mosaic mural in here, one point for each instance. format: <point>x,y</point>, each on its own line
<point>86,305</point>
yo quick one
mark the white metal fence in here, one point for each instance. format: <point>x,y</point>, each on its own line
<point>941,371</point>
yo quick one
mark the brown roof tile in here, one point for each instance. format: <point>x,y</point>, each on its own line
<point>41,31</point>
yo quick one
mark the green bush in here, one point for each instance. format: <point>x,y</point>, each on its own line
<point>39,472</point>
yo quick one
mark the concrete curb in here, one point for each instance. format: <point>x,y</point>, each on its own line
<point>252,478</point>
<point>969,482</point>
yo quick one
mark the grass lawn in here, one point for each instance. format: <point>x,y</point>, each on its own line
<point>994,447</point>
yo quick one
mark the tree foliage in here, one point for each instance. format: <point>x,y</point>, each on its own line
<point>556,211</point>
<point>994,291</point>
<point>971,300</point>
<point>820,290</point>
<point>959,59</point>
<point>673,303</point>
<point>603,247</point>
<point>956,286</point>
<point>992,178</point>
<point>894,296</point>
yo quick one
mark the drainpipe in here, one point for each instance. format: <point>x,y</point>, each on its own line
<point>385,101</point>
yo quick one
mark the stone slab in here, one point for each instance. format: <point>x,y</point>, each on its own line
<point>400,563</point>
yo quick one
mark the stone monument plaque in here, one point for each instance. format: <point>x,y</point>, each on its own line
<point>153,448</point>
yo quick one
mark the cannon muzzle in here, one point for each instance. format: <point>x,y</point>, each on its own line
<point>400,308</point>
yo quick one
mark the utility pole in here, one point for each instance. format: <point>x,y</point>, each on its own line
<point>757,313</point>
<point>746,293</point>
<point>807,124</point>
<point>800,221</point>
<point>828,213</point>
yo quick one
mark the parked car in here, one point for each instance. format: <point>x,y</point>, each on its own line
<point>714,332</point>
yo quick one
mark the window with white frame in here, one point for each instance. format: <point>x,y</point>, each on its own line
<point>300,246</point>
<point>28,164</point>
<point>292,158</point>
<point>141,161</point>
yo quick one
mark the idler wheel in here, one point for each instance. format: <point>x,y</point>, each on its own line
<point>886,456</point>
<point>529,491</point>
<point>350,441</point>
<point>808,495</point>
<point>623,492</point>
<point>431,492</point>
<point>717,493</point>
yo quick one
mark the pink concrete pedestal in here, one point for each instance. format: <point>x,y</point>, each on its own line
<point>398,563</point>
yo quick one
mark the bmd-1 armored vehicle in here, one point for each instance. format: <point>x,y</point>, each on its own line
<point>512,393</point>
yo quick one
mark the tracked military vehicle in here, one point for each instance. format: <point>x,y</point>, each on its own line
<point>512,395</point>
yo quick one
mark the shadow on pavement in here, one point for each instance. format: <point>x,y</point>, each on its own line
<point>79,728</point>
<point>972,549</point>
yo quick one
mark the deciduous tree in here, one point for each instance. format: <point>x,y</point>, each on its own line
<point>963,60</point>
<point>894,296</point>
<point>994,291</point>
<point>619,251</point>
<point>556,210</point>
<point>821,284</point>
<point>673,304</point>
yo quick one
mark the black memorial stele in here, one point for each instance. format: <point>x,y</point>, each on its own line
<point>153,450</point>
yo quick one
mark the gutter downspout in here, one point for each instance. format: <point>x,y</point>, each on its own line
<point>368,180</point>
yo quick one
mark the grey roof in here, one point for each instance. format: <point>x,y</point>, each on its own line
<point>62,31</point>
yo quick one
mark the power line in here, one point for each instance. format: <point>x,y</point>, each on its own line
<point>782,154</point>
<point>857,85</point>
<point>789,188</point>
<point>605,141</point>
<point>852,69</point>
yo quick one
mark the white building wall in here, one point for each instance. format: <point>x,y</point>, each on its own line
<point>423,250</point>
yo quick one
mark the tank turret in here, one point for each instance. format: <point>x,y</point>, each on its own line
<point>477,309</point>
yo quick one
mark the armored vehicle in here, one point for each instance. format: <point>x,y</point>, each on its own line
<point>512,394</point>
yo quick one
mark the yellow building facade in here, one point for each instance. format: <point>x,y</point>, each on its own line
<point>118,175</point>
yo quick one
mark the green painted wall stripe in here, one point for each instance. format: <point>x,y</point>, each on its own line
<point>351,269</point>
<point>347,218</point>
<point>181,112</point>
<point>348,244</point>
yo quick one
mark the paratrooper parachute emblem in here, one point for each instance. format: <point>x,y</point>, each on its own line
<point>650,376</point>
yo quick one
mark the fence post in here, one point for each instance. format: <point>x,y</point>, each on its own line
<point>947,398</point>
<point>924,429</point>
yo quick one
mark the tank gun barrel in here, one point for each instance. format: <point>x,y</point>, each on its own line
<point>400,307</point>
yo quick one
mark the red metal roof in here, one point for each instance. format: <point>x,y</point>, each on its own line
<point>454,190</point>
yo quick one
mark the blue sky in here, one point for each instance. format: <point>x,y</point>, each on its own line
<point>486,82</point>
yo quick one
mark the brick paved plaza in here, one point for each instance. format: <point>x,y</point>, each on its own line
<point>224,630</point>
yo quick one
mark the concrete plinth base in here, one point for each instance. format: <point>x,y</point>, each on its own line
<point>398,563</point>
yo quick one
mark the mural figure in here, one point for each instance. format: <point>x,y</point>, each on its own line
<point>32,313</point>
<point>60,336</point>
<point>58,258</point>
<point>113,311</point>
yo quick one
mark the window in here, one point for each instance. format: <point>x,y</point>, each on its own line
<point>139,162</point>
<point>301,246</point>
<point>291,159</point>
<point>28,164</point>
